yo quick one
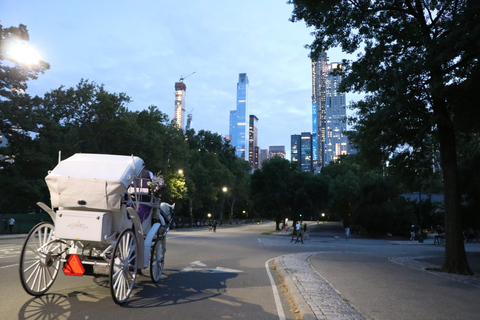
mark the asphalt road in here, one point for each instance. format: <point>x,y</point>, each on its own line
<point>223,275</point>
<point>207,275</point>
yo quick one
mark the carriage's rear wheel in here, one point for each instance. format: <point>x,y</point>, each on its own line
<point>157,259</point>
<point>123,266</point>
<point>40,259</point>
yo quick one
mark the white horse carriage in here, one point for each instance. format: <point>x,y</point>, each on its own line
<point>108,219</point>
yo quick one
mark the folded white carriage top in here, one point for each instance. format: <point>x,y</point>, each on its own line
<point>92,181</point>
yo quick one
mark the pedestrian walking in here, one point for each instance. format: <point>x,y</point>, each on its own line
<point>297,233</point>
<point>347,233</point>
<point>11,224</point>
<point>214,226</point>
<point>412,232</point>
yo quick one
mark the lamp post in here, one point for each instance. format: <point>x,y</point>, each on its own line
<point>224,189</point>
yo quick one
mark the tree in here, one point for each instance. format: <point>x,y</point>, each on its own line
<point>272,189</point>
<point>15,108</point>
<point>344,189</point>
<point>380,209</point>
<point>239,184</point>
<point>205,173</point>
<point>420,59</point>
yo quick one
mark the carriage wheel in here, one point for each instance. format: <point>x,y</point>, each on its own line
<point>157,259</point>
<point>40,259</point>
<point>123,266</point>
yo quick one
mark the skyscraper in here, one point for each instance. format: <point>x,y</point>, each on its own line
<point>238,128</point>
<point>336,142</point>
<point>179,116</point>
<point>295,145</point>
<point>278,151</point>
<point>319,85</point>
<point>253,149</point>
<point>328,112</point>
<point>301,150</point>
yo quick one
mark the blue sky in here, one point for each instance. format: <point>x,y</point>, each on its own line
<point>143,47</point>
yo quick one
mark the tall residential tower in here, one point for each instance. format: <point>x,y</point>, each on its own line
<point>253,149</point>
<point>179,116</point>
<point>238,118</point>
<point>328,113</point>
<point>319,109</point>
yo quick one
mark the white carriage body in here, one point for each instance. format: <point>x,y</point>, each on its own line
<point>105,217</point>
<point>88,190</point>
<point>99,180</point>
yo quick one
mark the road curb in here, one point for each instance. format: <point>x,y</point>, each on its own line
<point>304,309</point>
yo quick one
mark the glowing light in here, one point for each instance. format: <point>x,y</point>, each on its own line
<point>23,53</point>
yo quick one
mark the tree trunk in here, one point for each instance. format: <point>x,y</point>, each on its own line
<point>191,211</point>
<point>455,255</point>
<point>231,209</point>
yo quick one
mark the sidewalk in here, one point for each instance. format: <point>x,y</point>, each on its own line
<point>315,298</point>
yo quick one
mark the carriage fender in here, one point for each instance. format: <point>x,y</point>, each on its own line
<point>137,224</point>
<point>45,208</point>
<point>148,244</point>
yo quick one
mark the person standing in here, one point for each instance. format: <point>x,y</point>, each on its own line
<point>347,233</point>
<point>11,224</point>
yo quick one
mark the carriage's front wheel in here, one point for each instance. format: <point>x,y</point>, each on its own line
<point>157,259</point>
<point>123,266</point>
<point>40,259</point>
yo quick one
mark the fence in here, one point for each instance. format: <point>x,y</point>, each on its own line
<point>23,222</point>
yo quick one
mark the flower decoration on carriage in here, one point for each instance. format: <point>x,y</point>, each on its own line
<point>157,185</point>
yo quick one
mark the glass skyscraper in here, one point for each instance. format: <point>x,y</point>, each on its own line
<point>335,139</point>
<point>328,113</point>
<point>238,119</point>
<point>319,106</point>
<point>301,150</point>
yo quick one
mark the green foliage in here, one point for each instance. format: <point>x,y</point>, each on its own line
<point>272,189</point>
<point>344,189</point>
<point>279,190</point>
<point>381,210</point>
<point>420,68</point>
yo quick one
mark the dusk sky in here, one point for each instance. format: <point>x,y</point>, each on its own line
<point>143,47</point>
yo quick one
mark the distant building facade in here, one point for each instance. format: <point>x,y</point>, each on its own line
<point>253,149</point>
<point>276,151</point>
<point>336,142</point>
<point>238,118</point>
<point>263,156</point>
<point>329,141</point>
<point>319,108</point>
<point>179,115</point>
<point>302,150</point>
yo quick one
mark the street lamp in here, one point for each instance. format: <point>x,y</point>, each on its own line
<point>224,189</point>
<point>323,217</point>
<point>180,171</point>
<point>21,52</point>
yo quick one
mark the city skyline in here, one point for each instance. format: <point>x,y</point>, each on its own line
<point>142,49</point>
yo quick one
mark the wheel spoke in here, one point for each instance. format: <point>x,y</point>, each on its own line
<point>123,266</point>
<point>39,261</point>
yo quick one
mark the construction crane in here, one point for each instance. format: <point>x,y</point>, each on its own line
<point>182,77</point>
